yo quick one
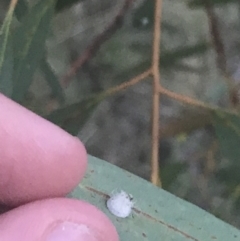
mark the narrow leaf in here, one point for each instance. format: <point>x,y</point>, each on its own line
<point>170,57</point>
<point>29,42</point>
<point>62,4</point>
<point>52,80</point>
<point>6,59</point>
<point>227,128</point>
<point>170,172</point>
<point>72,118</point>
<point>143,16</point>
<point>200,3</point>
<point>6,69</point>
<point>21,9</point>
<point>157,214</point>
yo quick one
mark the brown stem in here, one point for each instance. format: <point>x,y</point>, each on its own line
<point>92,49</point>
<point>220,53</point>
<point>185,99</point>
<point>127,84</point>
<point>155,175</point>
<point>216,37</point>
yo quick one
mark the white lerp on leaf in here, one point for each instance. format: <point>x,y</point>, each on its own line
<point>120,204</point>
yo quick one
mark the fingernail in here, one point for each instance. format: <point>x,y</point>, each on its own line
<point>69,231</point>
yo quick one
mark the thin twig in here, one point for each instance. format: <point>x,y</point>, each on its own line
<point>220,52</point>
<point>155,179</point>
<point>216,37</point>
<point>197,103</point>
<point>127,84</point>
<point>211,163</point>
<point>186,99</point>
<point>92,49</point>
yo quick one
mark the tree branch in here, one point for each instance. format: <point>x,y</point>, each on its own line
<point>92,49</point>
<point>155,179</point>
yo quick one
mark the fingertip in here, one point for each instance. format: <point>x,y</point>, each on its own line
<point>56,220</point>
<point>38,159</point>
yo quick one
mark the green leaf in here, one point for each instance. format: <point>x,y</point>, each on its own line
<point>200,3</point>
<point>230,176</point>
<point>28,43</point>
<point>52,80</point>
<point>6,69</point>
<point>168,58</point>
<point>170,172</point>
<point>143,18</point>
<point>227,128</point>
<point>21,9</point>
<point>145,11</point>
<point>72,118</point>
<point>62,4</point>
<point>6,58</point>
<point>157,215</point>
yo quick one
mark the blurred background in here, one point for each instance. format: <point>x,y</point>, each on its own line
<point>118,129</point>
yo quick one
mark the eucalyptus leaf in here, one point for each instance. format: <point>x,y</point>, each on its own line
<point>21,9</point>
<point>157,215</point>
<point>62,4</point>
<point>227,128</point>
<point>143,18</point>
<point>171,57</point>
<point>168,58</point>
<point>6,58</point>
<point>71,118</point>
<point>6,69</point>
<point>28,43</point>
<point>52,80</point>
<point>201,3</point>
<point>170,172</point>
<point>144,15</point>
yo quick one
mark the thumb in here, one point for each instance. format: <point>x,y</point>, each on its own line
<point>58,219</point>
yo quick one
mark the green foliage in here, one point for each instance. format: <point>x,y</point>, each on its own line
<point>62,4</point>
<point>6,57</point>
<point>23,52</point>
<point>171,57</point>
<point>28,44</point>
<point>170,172</point>
<point>6,69</point>
<point>227,128</point>
<point>21,9</point>
<point>143,18</point>
<point>157,215</point>
<point>145,11</point>
<point>52,80</point>
<point>71,118</point>
<point>201,3</point>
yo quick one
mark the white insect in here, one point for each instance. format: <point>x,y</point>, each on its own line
<point>120,204</point>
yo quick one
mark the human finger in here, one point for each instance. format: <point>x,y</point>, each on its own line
<point>58,219</point>
<point>37,159</point>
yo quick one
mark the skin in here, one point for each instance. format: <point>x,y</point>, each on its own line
<point>39,164</point>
